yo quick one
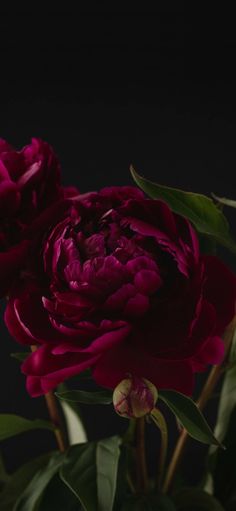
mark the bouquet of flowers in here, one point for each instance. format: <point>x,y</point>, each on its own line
<point>117,298</point>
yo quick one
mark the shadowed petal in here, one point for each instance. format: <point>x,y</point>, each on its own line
<point>113,366</point>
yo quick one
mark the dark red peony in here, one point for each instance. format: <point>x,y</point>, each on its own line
<point>29,183</point>
<point>125,292</point>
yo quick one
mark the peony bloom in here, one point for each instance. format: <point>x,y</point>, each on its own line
<point>134,397</point>
<point>123,290</point>
<point>29,184</point>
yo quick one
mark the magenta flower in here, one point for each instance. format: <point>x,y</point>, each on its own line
<point>123,290</point>
<point>29,184</point>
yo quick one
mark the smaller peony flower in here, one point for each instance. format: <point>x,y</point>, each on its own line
<point>30,185</point>
<point>134,397</point>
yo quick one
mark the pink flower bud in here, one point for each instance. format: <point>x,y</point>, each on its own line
<point>134,397</point>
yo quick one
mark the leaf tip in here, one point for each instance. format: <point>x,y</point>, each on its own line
<point>132,170</point>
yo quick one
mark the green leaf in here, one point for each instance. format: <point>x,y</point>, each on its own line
<point>31,497</point>
<point>195,499</point>
<point>160,422</point>
<point>189,416</point>
<point>228,395</point>
<point>103,397</point>
<point>11,425</point>
<point>63,389</point>
<point>224,468</point>
<point>148,503</point>
<point>90,470</point>
<point>79,474</point>
<point>221,466</point>
<point>58,497</point>
<point>198,208</point>
<point>225,201</point>
<point>84,375</point>
<point>73,418</point>
<point>18,481</point>
<point>107,458</point>
<point>126,474</point>
<point>20,356</point>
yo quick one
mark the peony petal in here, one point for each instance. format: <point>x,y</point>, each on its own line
<point>14,327</point>
<point>9,199</point>
<point>4,147</point>
<point>30,321</point>
<point>106,272</point>
<point>29,174</point>
<point>72,305</point>
<point>137,306</point>
<point>47,219</point>
<point>72,271</point>
<point>102,342</point>
<point>113,366</point>
<point>162,240</point>
<point>155,213</point>
<point>220,291</point>
<point>211,353</point>
<point>118,300</point>
<point>11,262</point>
<point>45,371</point>
<point>94,246</point>
<point>119,194</point>
<point>4,174</point>
<point>203,329</point>
<point>109,339</point>
<point>147,282</point>
<point>141,263</point>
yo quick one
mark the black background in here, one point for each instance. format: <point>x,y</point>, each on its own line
<point>108,88</point>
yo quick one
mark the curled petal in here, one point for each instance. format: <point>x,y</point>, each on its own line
<point>45,371</point>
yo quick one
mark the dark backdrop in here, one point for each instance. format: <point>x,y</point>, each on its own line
<point>106,89</point>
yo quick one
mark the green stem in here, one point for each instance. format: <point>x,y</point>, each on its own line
<point>129,442</point>
<point>204,397</point>
<point>55,417</point>
<point>142,476</point>
<point>130,483</point>
<point>56,420</point>
<point>160,422</point>
<point>129,436</point>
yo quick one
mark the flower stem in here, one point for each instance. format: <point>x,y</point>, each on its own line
<point>130,483</point>
<point>55,417</point>
<point>142,476</point>
<point>56,420</point>
<point>160,422</point>
<point>205,395</point>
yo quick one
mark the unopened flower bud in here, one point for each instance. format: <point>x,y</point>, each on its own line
<point>134,397</point>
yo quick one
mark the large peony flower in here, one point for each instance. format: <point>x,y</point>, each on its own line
<point>29,184</point>
<point>124,291</point>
